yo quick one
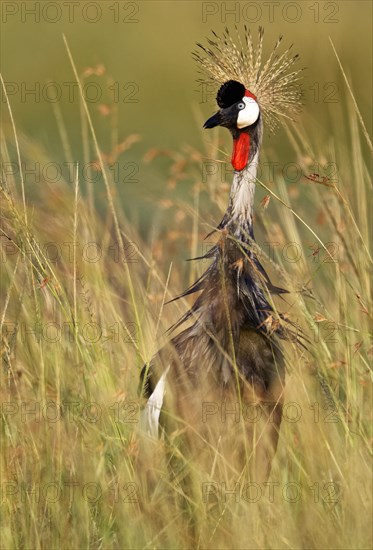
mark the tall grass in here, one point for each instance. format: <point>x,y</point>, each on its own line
<point>83,310</point>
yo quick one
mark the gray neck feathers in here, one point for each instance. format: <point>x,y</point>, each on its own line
<point>241,200</point>
<point>238,218</point>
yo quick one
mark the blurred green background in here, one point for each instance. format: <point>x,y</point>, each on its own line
<point>149,44</point>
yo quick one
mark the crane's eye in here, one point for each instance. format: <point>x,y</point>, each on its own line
<point>241,106</point>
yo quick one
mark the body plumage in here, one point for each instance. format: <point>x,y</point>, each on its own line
<point>229,355</point>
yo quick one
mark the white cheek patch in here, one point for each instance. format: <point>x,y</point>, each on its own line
<point>249,114</point>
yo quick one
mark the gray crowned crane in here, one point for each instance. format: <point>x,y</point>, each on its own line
<point>230,356</point>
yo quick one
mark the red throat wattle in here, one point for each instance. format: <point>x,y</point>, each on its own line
<point>241,150</point>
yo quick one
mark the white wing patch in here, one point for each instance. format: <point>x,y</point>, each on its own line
<point>149,416</point>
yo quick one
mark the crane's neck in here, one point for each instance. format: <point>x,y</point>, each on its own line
<point>241,199</point>
<point>238,219</point>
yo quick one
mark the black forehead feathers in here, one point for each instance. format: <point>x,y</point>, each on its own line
<point>229,93</point>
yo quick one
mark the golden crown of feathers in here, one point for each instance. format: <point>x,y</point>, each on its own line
<point>276,87</point>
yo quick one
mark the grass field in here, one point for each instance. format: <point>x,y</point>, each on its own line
<point>83,308</point>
